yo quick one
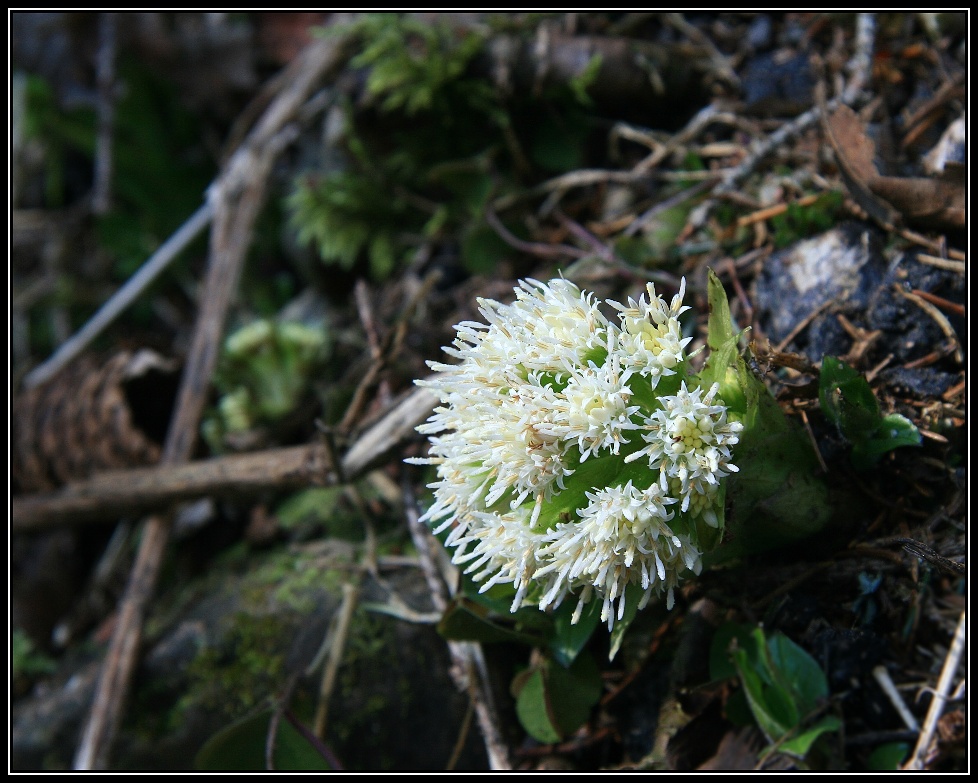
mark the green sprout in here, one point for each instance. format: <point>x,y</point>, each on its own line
<point>849,403</point>
<point>785,689</point>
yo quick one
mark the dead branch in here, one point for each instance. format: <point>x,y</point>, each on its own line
<point>112,494</point>
<point>468,670</point>
<point>940,696</point>
<point>124,297</point>
<point>236,197</point>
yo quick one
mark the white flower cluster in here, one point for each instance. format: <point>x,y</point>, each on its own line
<point>545,385</point>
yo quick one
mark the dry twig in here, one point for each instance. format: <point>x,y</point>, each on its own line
<point>860,67</point>
<point>114,493</point>
<point>124,297</point>
<point>939,318</point>
<point>236,198</point>
<point>918,760</point>
<point>468,665</point>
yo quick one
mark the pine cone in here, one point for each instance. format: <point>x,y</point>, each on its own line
<point>92,418</point>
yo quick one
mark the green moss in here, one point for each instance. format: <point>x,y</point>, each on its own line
<point>367,701</point>
<point>248,665</point>
<point>288,580</point>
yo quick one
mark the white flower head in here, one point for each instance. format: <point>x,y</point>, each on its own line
<point>547,384</point>
<point>592,410</point>
<point>689,440</point>
<point>622,538</point>
<point>652,339</point>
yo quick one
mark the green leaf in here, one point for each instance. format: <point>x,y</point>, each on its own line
<point>894,431</point>
<point>781,682</point>
<point>574,691</point>
<point>798,672</point>
<point>467,620</point>
<point>754,688</point>
<point>580,83</point>
<point>25,659</point>
<point>240,747</point>
<point>800,746</point>
<point>720,336</point>
<point>888,757</point>
<point>776,497</point>
<point>568,640</point>
<point>533,709</point>
<point>779,699</point>
<point>848,402</point>
<point>552,701</point>
<point>633,596</point>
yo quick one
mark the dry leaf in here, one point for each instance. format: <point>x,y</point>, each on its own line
<point>929,202</point>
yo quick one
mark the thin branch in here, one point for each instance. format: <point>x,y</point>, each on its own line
<point>939,318</point>
<point>123,298</point>
<point>236,199</point>
<point>109,495</point>
<point>533,248</point>
<point>343,618</point>
<point>917,760</point>
<point>860,67</point>
<point>468,669</point>
<point>720,62</point>
<point>882,677</point>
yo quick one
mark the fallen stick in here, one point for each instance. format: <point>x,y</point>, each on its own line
<point>236,198</point>
<point>112,494</point>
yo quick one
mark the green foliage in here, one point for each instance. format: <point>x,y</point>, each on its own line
<point>470,620</point>
<point>433,145</point>
<point>60,133</point>
<point>412,64</point>
<point>554,696</point>
<point>848,402</point>
<point>776,495</point>
<point>241,747</point>
<point>485,617</point>
<point>568,640</point>
<point>248,661</point>
<point>416,71</point>
<point>579,84</point>
<point>888,757</point>
<point>344,213</point>
<point>160,170</point>
<point>553,701</point>
<point>320,511</point>
<point>784,686</point>
<point>264,371</point>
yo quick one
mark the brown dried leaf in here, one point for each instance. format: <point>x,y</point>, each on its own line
<point>937,202</point>
<point>854,153</point>
<point>924,201</point>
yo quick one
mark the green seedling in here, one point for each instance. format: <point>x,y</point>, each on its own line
<point>785,689</point>
<point>849,403</point>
